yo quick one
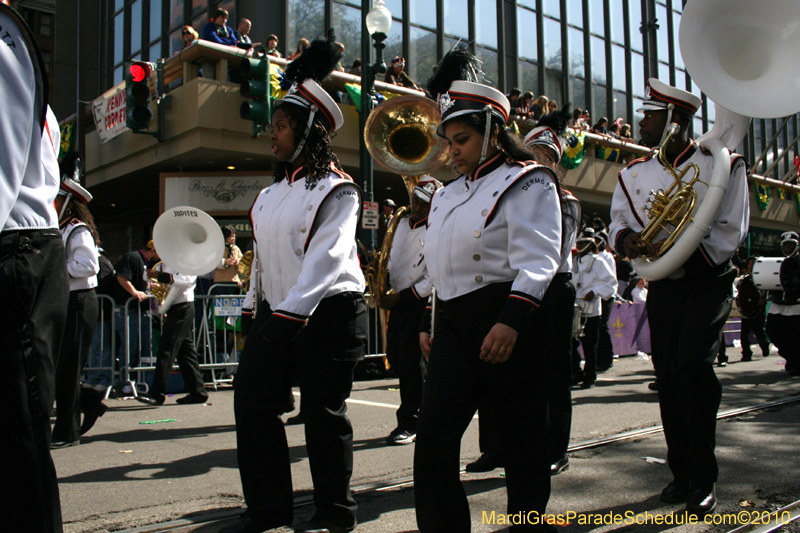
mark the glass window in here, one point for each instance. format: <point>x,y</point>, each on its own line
<point>697,127</point>
<point>198,6</point>
<point>118,4</point>
<point>575,12</point>
<point>175,42</point>
<point>527,3</point>
<point>637,116</point>
<point>711,110</point>
<point>486,22</point>
<point>29,16</point>
<point>455,18</point>
<point>119,36</point>
<point>597,18</point>
<point>552,43</point>
<point>637,74</point>
<point>154,53</point>
<point>554,86</point>
<point>617,19</point>
<point>618,67</point>
<point>230,7</point>
<point>176,13</point>
<point>421,55</point>
<point>526,34</point>
<point>676,23</point>
<point>395,7</point>
<point>620,107</point>
<point>578,97</point>
<point>422,12</point>
<point>136,26</point>
<point>347,21</point>
<point>635,14</point>
<point>45,23</point>
<point>577,58</point>
<point>552,8</point>
<point>600,106</point>
<point>662,34</point>
<point>598,60</point>
<point>529,77</point>
<point>663,71</point>
<point>489,65</point>
<point>117,75</point>
<point>46,60</point>
<point>155,19</point>
<point>304,19</point>
<point>394,45</point>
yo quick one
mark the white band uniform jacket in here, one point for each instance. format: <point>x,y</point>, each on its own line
<point>501,224</point>
<point>306,243</point>
<point>83,262</point>
<point>629,205</point>
<point>570,224</point>
<point>183,283</point>
<point>407,270</point>
<point>591,273</point>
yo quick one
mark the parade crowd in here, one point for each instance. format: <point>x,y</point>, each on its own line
<point>485,271</point>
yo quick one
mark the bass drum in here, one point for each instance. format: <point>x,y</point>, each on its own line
<point>767,273</point>
<point>790,273</point>
<point>748,298</point>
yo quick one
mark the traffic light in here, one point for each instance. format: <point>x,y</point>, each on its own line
<point>139,109</point>
<point>255,71</point>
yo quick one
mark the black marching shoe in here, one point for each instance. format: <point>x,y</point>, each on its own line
<point>191,398</point>
<point>248,525</point>
<point>92,405</point>
<point>58,444</point>
<point>702,499</point>
<point>486,463</point>
<point>154,400</point>
<point>316,525</point>
<point>587,384</point>
<point>675,492</point>
<point>559,466</point>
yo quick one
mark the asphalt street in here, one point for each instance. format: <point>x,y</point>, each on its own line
<point>142,466</point>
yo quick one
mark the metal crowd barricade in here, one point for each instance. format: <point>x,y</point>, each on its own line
<point>107,338</point>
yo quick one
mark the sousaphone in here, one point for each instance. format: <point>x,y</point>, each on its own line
<point>742,56</point>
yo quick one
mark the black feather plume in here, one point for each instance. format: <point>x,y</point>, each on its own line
<point>457,64</point>
<point>316,62</point>
<point>558,121</point>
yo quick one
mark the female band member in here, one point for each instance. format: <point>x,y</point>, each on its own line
<point>80,239</point>
<point>492,246</point>
<point>311,318</point>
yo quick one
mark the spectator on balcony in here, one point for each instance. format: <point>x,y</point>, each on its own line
<point>272,46</point>
<point>522,108</point>
<point>577,122</point>
<point>217,30</point>
<point>242,36</point>
<point>552,106</point>
<point>513,97</point>
<point>539,107</point>
<point>189,36</point>
<point>356,68</point>
<point>625,132</point>
<point>397,76</point>
<point>613,130</point>
<point>601,127</point>
<point>302,44</point>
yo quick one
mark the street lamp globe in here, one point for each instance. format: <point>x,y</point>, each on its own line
<point>379,19</point>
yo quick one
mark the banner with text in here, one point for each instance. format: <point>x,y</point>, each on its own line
<point>109,113</point>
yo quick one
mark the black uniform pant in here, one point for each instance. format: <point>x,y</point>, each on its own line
<point>456,382</point>
<point>559,308</point>
<point>784,331</point>
<point>755,324</point>
<point>322,356</point>
<point>81,322</point>
<point>605,350</point>
<point>405,357</point>
<point>591,332</point>
<point>176,342</point>
<point>33,282</point>
<point>686,317</point>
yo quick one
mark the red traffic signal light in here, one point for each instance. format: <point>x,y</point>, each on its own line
<point>139,72</point>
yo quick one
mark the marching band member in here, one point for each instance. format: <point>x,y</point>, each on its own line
<point>176,339</point>
<point>83,263</point>
<point>594,281</point>
<point>751,303</point>
<point>492,247</point>
<point>783,318</point>
<point>311,319</point>
<point>547,140</point>
<point>409,279</point>
<point>687,310</point>
<point>605,349</point>
<point>33,280</point>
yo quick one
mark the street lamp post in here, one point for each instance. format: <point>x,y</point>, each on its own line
<point>378,22</point>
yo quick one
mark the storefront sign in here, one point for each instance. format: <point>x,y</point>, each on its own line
<point>227,193</point>
<point>109,113</point>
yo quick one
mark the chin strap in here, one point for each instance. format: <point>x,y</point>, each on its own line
<point>302,142</point>
<point>64,207</point>
<point>664,133</point>
<point>488,110</point>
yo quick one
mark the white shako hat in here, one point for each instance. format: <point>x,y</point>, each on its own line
<point>70,187</point>
<point>426,187</point>
<point>71,169</point>
<point>659,96</point>
<point>308,94</point>
<point>546,136</point>
<point>466,97</point>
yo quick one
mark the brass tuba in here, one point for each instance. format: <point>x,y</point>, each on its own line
<point>400,134</point>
